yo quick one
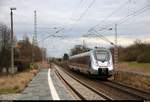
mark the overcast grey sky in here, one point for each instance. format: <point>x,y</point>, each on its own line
<point>65,13</point>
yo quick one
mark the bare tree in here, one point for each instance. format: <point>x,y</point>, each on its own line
<point>79,49</point>
<point>24,57</point>
<point>5,45</point>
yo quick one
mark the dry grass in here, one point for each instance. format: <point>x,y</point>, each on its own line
<point>134,80</point>
<point>126,74</point>
<point>43,64</point>
<point>16,83</point>
<point>125,66</point>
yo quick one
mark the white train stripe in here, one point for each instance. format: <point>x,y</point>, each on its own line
<point>52,88</point>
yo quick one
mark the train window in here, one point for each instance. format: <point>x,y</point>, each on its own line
<point>102,56</point>
<point>82,61</point>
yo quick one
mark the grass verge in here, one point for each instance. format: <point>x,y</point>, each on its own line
<point>135,64</point>
<point>17,82</point>
<point>9,90</point>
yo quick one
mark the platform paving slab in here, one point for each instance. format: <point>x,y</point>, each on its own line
<point>38,88</point>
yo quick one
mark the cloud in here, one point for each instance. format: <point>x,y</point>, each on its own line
<point>63,13</point>
<point>57,47</point>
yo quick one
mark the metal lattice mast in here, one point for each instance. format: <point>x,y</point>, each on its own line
<point>116,48</point>
<point>34,42</point>
<point>35,29</point>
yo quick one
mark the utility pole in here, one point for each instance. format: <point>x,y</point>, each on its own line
<point>43,54</point>
<point>116,49</point>
<point>34,42</point>
<point>12,41</point>
<point>83,43</point>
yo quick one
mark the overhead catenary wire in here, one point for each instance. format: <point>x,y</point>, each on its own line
<point>120,7</point>
<point>121,21</point>
<point>53,35</point>
<point>82,15</point>
<point>115,11</point>
<point>133,14</point>
<point>103,37</point>
<point>90,5</point>
<point>78,5</point>
<point>56,27</point>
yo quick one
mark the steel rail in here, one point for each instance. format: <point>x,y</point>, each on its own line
<point>130,90</point>
<point>140,94</point>
<point>73,89</point>
<point>89,87</point>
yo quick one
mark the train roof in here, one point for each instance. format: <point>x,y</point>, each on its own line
<point>101,49</point>
<point>80,55</point>
<point>89,52</point>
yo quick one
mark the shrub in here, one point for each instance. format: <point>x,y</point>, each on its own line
<point>138,51</point>
<point>145,57</point>
<point>16,87</point>
<point>22,65</point>
<point>33,66</point>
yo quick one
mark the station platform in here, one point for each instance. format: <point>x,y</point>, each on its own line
<point>45,86</point>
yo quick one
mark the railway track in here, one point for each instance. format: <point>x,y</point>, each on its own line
<point>124,92</point>
<point>129,90</point>
<point>106,97</point>
<point>76,92</point>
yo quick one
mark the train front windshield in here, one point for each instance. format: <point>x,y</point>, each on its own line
<point>102,56</point>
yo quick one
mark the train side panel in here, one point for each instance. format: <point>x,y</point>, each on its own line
<point>80,64</point>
